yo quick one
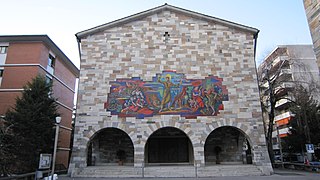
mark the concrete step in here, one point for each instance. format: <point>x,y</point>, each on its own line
<point>169,171</point>
<point>229,170</point>
<point>109,171</point>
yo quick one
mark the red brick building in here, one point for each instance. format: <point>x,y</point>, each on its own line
<point>22,58</point>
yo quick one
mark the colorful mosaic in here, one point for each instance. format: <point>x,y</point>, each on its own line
<point>167,93</point>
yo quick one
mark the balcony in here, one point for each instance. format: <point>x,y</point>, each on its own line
<point>279,59</point>
<point>282,132</point>
<point>285,85</point>
<point>283,119</point>
<point>285,75</point>
<point>264,85</point>
<point>275,146</point>
<point>284,116</point>
<point>285,71</point>
<point>284,101</point>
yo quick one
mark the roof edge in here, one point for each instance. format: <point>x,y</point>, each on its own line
<point>43,38</point>
<point>164,7</point>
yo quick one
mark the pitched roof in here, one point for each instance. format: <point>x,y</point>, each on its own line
<point>158,9</point>
<point>45,39</point>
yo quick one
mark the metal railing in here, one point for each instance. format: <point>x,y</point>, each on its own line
<point>31,176</point>
<point>299,166</point>
<point>26,176</point>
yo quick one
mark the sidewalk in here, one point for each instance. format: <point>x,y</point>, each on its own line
<point>279,174</point>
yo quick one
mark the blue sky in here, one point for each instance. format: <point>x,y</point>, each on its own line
<point>280,21</point>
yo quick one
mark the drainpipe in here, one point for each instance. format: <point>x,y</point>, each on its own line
<point>78,84</point>
<point>79,46</point>
<point>255,37</point>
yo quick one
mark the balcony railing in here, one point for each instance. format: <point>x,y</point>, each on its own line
<point>285,85</point>
<point>282,132</point>
<point>285,71</point>
<point>287,114</point>
<point>278,60</point>
<point>285,100</point>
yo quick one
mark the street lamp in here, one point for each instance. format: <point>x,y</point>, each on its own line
<point>58,120</point>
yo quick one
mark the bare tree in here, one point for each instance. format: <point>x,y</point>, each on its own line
<point>305,127</point>
<point>274,86</point>
<point>270,89</point>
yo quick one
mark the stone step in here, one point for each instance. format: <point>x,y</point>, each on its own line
<point>109,171</point>
<point>169,171</point>
<point>229,170</point>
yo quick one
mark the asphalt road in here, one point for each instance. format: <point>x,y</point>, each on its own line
<point>278,175</point>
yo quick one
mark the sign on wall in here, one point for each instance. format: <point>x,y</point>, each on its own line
<point>45,161</point>
<point>310,148</point>
<point>168,93</point>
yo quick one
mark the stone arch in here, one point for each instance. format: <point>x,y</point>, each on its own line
<point>92,132</point>
<point>175,124</point>
<point>221,123</point>
<point>228,145</point>
<point>169,145</point>
<point>110,146</point>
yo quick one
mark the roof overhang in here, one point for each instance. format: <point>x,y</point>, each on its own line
<point>46,40</point>
<point>158,9</point>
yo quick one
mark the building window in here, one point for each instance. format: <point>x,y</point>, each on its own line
<point>51,61</point>
<point>48,80</point>
<point>1,74</point>
<point>3,49</point>
<point>274,140</point>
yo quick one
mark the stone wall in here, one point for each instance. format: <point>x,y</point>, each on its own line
<point>312,9</point>
<point>195,48</point>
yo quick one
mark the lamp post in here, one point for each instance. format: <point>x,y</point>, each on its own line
<point>58,120</point>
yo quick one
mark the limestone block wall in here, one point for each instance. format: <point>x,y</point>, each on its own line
<point>196,48</point>
<point>312,9</point>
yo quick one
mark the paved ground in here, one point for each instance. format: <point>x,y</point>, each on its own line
<point>279,175</point>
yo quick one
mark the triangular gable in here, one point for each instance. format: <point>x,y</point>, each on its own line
<point>158,9</point>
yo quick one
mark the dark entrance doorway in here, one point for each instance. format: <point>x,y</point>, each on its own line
<point>227,145</point>
<point>169,146</point>
<point>110,146</point>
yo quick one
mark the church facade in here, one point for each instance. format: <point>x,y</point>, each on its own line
<point>168,93</point>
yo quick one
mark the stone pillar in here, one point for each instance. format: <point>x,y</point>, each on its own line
<point>139,155</point>
<point>198,151</point>
<point>260,154</point>
<point>79,153</point>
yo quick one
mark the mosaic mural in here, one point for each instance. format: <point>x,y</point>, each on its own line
<point>167,93</point>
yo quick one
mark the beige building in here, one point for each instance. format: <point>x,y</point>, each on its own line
<point>168,93</point>
<point>287,66</point>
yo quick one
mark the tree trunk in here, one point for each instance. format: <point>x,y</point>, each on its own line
<point>270,150</point>
<point>271,120</point>
<point>270,127</point>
